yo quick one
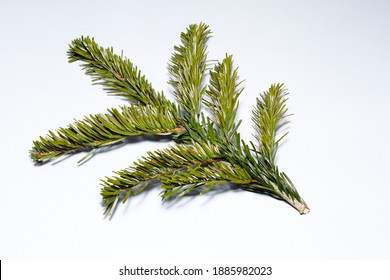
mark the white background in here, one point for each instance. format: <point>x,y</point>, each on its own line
<point>334,58</point>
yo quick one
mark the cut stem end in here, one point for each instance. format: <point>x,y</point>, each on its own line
<point>300,206</point>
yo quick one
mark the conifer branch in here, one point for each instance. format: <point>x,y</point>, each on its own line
<point>223,93</point>
<point>187,68</point>
<point>268,117</point>
<point>210,151</point>
<point>116,73</point>
<point>101,130</point>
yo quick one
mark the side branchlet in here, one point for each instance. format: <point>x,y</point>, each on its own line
<point>222,97</point>
<point>117,74</point>
<point>187,68</point>
<point>269,116</point>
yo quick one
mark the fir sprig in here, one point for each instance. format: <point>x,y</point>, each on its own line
<point>222,97</point>
<point>208,152</point>
<point>188,66</point>
<point>101,130</point>
<point>155,165</point>
<point>116,73</point>
<point>269,116</point>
